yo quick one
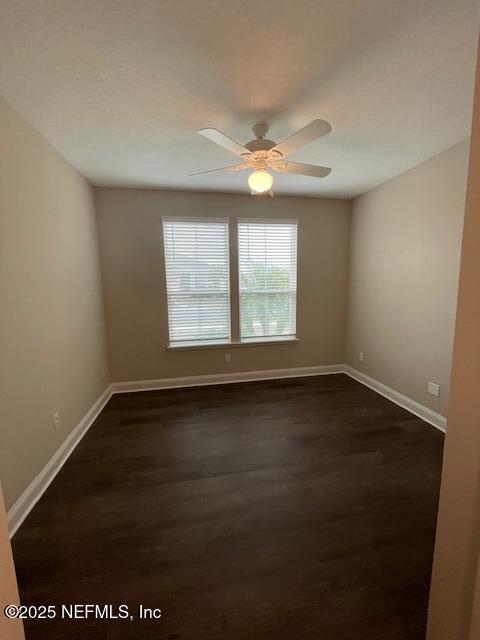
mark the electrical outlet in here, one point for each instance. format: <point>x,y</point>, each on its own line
<point>361,356</point>
<point>433,389</point>
<point>228,357</point>
<point>56,420</point>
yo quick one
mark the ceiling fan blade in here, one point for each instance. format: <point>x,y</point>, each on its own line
<point>303,169</point>
<point>233,167</point>
<point>316,129</point>
<point>224,141</point>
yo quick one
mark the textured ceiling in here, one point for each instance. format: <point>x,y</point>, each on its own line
<point>121,87</point>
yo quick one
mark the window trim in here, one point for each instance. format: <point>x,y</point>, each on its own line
<point>247,342</point>
<point>254,339</point>
<point>267,221</point>
<point>223,219</point>
<point>235,339</point>
<point>177,344</point>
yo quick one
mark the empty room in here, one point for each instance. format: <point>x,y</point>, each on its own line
<point>239,320</point>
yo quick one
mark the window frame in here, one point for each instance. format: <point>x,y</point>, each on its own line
<point>233,259</point>
<point>285,338</point>
<point>200,342</point>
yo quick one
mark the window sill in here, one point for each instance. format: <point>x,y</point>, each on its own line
<point>249,342</point>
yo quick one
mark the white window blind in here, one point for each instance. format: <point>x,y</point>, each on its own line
<point>198,280</point>
<point>267,253</point>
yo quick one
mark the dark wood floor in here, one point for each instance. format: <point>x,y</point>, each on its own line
<point>291,509</point>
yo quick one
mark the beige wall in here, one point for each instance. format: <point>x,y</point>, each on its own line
<point>52,342</point>
<point>133,271</point>
<point>455,578</point>
<point>9,629</point>
<point>404,262</point>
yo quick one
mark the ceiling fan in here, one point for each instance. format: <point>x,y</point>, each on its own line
<point>261,154</point>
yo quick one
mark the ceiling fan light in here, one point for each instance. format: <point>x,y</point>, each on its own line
<point>260,181</point>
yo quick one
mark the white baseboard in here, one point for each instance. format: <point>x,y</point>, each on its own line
<point>414,407</point>
<point>224,378</point>
<point>432,417</point>
<point>32,494</point>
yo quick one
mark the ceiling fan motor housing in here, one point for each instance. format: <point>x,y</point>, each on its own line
<point>261,155</point>
<point>260,143</point>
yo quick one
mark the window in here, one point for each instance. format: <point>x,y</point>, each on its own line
<point>198,280</point>
<point>267,253</point>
